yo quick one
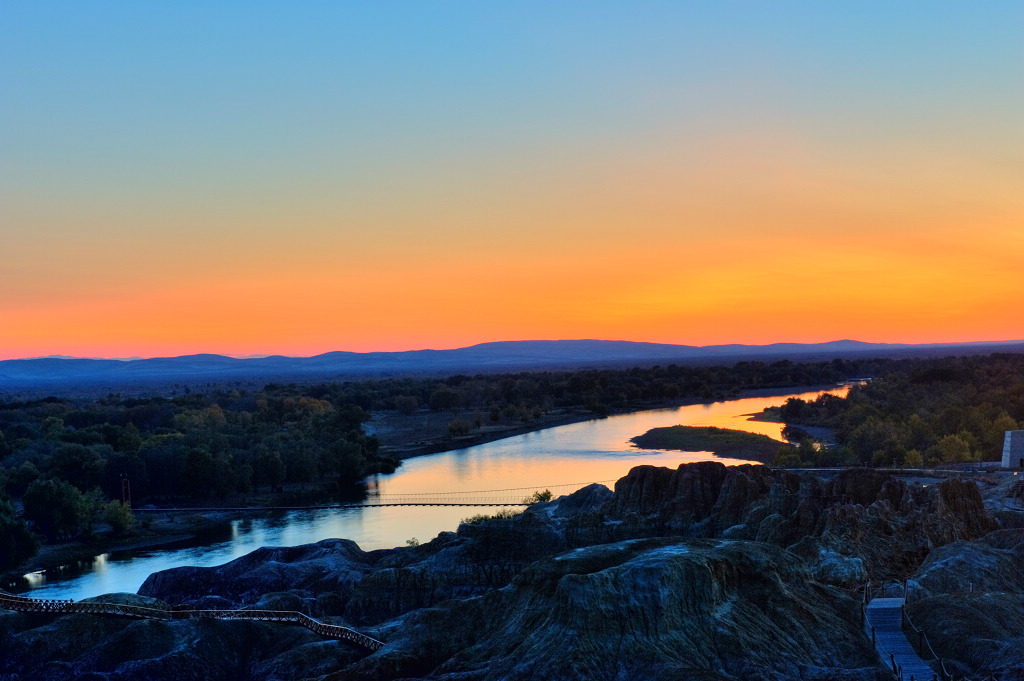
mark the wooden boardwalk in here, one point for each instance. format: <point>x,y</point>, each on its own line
<point>885,616</point>
<point>21,604</point>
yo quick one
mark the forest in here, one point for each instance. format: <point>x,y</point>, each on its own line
<point>67,461</point>
<point>914,413</point>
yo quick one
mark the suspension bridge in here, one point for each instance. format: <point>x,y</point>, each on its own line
<point>512,496</point>
<point>54,607</point>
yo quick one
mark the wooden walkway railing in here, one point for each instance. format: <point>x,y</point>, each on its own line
<point>884,619</point>
<point>923,643</point>
<point>21,604</point>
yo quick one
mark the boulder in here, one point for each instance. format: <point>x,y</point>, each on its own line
<point>329,565</point>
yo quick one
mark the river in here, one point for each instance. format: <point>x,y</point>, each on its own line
<point>561,459</point>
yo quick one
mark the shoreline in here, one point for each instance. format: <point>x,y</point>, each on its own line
<point>441,446</point>
<point>193,524</point>
<point>188,527</point>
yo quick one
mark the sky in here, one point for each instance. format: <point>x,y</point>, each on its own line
<point>296,178</point>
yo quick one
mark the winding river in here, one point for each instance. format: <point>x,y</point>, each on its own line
<point>562,459</point>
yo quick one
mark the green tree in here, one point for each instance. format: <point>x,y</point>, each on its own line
<point>406,404</point>
<point>129,439</point>
<point>198,478</point>
<point>119,516</point>
<point>808,451</point>
<point>300,464</point>
<point>165,457</point>
<point>16,541</point>
<point>243,478</point>
<point>80,465</point>
<point>21,477</point>
<point>52,428</point>
<point>951,449</point>
<point>269,469</point>
<point>225,479</point>
<point>996,433</point>
<point>58,509</point>
<point>787,457</point>
<point>347,459</point>
<point>446,399</point>
<point>458,427</point>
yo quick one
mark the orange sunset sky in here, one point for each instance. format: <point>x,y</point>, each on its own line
<point>295,179</point>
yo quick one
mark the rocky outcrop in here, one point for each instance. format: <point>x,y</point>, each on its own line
<point>586,500</point>
<point>689,491</point>
<point>328,566</point>
<point>993,564</point>
<point>639,609</point>
<point>861,523</point>
<point>969,598</point>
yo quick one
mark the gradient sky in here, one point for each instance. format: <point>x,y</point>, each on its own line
<point>302,177</point>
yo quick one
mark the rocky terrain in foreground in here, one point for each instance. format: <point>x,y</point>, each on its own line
<point>704,572</point>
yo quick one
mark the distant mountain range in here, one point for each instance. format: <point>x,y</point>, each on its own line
<point>485,357</point>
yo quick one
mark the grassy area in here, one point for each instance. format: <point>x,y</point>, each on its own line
<point>770,414</point>
<point>734,444</point>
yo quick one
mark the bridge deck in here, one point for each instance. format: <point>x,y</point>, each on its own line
<point>885,615</point>
<point>333,507</point>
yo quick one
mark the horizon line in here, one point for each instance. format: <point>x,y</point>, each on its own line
<point>253,356</point>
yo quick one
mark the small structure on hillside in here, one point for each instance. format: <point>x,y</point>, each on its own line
<point>1013,449</point>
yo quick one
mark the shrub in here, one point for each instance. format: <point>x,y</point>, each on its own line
<point>457,427</point>
<point>538,497</point>
<point>504,513</point>
<point>119,516</point>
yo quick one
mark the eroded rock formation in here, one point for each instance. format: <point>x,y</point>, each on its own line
<point>703,572</point>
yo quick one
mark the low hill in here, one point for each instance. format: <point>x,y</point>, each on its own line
<point>485,357</point>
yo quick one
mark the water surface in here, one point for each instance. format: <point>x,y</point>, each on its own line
<point>561,459</point>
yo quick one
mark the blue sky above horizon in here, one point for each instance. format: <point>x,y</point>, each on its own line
<point>255,177</point>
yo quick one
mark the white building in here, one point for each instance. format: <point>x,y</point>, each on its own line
<point>1013,449</point>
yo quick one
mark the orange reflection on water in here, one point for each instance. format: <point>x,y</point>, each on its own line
<point>568,456</point>
<point>725,414</point>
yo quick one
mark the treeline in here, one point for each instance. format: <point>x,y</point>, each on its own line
<point>195,446</point>
<point>66,459</point>
<point>917,412</point>
<point>520,397</point>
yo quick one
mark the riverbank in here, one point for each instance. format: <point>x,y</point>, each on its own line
<point>425,432</point>
<point>159,532</point>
